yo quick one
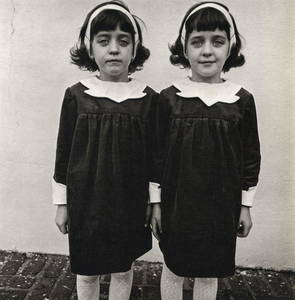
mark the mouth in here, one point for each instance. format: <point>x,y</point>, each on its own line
<point>207,62</point>
<point>114,61</point>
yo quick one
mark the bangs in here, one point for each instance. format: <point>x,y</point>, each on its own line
<point>109,20</point>
<point>207,19</point>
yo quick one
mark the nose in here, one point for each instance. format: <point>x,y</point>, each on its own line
<point>207,49</point>
<point>113,47</point>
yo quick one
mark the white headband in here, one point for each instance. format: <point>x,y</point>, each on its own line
<point>112,7</point>
<point>232,39</point>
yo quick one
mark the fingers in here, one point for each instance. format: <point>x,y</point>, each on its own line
<point>63,228</point>
<point>155,228</point>
<point>244,229</point>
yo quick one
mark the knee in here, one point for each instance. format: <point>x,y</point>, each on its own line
<point>84,279</point>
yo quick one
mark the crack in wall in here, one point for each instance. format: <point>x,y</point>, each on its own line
<point>12,18</point>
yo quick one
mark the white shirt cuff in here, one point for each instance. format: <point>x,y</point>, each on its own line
<point>59,193</point>
<point>155,192</point>
<point>248,196</point>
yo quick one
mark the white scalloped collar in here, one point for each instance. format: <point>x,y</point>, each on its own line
<point>209,93</point>
<point>116,91</point>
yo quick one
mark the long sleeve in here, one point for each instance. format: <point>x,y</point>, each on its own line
<point>251,153</point>
<point>59,193</point>
<point>65,135</point>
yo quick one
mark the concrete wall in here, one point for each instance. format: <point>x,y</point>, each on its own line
<point>35,37</point>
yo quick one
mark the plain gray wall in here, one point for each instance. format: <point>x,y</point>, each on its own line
<point>35,38</point>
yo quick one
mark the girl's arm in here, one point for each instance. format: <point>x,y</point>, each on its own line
<point>251,153</point>
<point>160,133</point>
<point>64,141</point>
<point>67,124</point>
<point>251,166</point>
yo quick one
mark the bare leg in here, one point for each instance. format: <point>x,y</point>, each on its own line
<point>205,288</point>
<point>171,285</point>
<point>88,287</point>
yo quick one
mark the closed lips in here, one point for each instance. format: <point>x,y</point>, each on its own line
<point>113,60</point>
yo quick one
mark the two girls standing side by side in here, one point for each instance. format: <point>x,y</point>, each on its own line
<point>210,156</point>
<point>117,135</point>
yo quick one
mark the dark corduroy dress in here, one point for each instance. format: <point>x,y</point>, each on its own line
<point>209,155</point>
<point>104,158</point>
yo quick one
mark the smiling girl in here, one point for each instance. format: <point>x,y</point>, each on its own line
<point>103,159</point>
<point>210,156</point>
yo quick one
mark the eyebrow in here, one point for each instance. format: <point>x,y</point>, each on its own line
<point>213,36</point>
<point>107,34</point>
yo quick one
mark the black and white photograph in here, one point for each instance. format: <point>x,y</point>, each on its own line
<point>147,150</point>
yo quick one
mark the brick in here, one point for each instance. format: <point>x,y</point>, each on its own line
<point>105,278</point>
<point>257,282</point>
<point>68,272</point>
<point>274,298</point>
<point>61,292</point>
<point>55,266</point>
<point>151,292</point>
<point>104,289</point>
<point>14,262</point>
<point>188,284</point>
<point>12,295</point>
<point>223,291</point>
<point>3,255</point>
<point>138,274</point>
<point>4,280</point>
<point>42,289</point>
<point>238,287</point>
<point>187,294</point>
<point>290,277</point>
<point>74,296</point>
<point>136,293</point>
<point>153,273</point>
<point>278,285</point>
<point>34,265</point>
<point>21,282</point>
<point>68,281</point>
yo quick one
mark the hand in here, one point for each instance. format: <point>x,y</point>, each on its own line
<point>148,215</point>
<point>61,218</point>
<point>245,222</point>
<point>156,220</point>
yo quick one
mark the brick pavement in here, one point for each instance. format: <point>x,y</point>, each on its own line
<point>35,276</point>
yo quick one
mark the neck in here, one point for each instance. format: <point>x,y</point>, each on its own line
<point>121,78</point>
<point>197,78</point>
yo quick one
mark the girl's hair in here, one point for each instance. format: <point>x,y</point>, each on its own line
<point>108,20</point>
<point>207,19</point>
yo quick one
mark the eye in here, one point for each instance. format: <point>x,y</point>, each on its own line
<point>196,43</point>
<point>102,41</point>
<point>218,43</point>
<point>124,42</point>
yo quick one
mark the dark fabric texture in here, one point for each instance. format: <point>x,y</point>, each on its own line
<point>208,156</point>
<point>104,156</point>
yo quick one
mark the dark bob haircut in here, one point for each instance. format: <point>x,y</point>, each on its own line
<point>207,19</point>
<point>108,20</point>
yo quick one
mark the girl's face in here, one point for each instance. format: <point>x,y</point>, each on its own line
<point>112,52</point>
<point>207,52</point>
